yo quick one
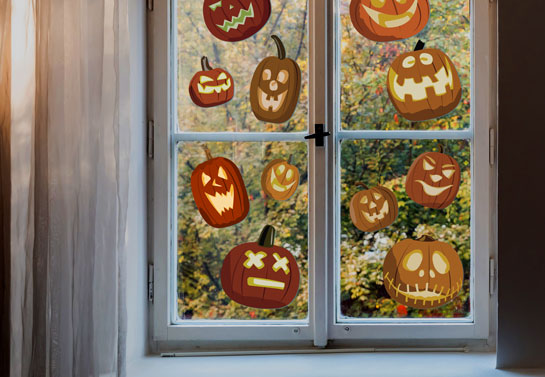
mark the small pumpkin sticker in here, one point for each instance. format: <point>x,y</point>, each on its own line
<point>373,208</point>
<point>211,86</point>
<point>280,179</point>
<point>260,274</point>
<point>219,192</point>
<point>424,84</point>
<point>423,273</point>
<point>275,87</point>
<point>433,179</point>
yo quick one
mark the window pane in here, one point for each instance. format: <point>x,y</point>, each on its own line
<point>363,292</point>
<point>202,248</point>
<point>364,66</point>
<point>288,20</point>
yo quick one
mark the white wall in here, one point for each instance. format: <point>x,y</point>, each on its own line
<point>137,211</point>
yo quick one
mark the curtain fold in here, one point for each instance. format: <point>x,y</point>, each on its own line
<point>70,172</point>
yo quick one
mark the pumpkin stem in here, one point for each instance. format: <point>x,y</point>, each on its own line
<point>426,238</point>
<point>440,147</point>
<point>419,45</point>
<point>361,184</point>
<point>289,159</point>
<point>205,64</point>
<point>266,238</point>
<point>207,151</point>
<point>279,46</point>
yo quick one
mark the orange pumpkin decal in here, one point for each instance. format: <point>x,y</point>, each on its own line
<point>389,20</point>
<point>219,192</point>
<point>259,274</point>
<point>373,209</point>
<point>433,180</point>
<point>424,84</point>
<point>211,86</point>
<point>423,273</point>
<point>280,179</point>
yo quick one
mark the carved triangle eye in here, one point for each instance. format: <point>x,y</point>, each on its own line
<point>205,179</point>
<point>428,166</point>
<point>221,173</point>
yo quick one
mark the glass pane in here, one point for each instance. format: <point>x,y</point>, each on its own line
<point>288,20</point>
<point>363,292</point>
<point>364,102</point>
<point>202,248</point>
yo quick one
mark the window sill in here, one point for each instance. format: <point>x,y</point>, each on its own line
<point>366,364</point>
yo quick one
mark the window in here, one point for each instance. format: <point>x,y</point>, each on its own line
<point>343,294</point>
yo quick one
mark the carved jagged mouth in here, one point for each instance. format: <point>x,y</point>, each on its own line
<point>271,103</point>
<point>377,216</point>
<point>204,89</point>
<point>275,183</point>
<point>433,191</point>
<point>417,91</point>
<point>222,202</point>
<point>265,283</point>
<point>426,295</point>
<point>239,20</point>
<point>391,20</point>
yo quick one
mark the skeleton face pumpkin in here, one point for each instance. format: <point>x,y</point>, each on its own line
<point>389,20</point>
<point>423,273</point>
<point>280,179</point>
<point>274,91</point>
<point>235,20</point>
<point>424,84</point>
<point>219,192</point>
<point>373,209</point>
<point>211,87</point>
<point>433,180</point>
<point>259,274</point>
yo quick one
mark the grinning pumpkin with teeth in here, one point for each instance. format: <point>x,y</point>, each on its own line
<point>235,20</point>
<point>211,87</point>
<point>423,273</point>
<point>219,192</point>
<point>373,209</point>
<point>424,84</point>
<point>389,20</point>
<point>280,179</point>
<point>433,180</point>
<point>274,91</point>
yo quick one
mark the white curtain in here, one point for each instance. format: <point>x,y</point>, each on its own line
<point>69,186</point>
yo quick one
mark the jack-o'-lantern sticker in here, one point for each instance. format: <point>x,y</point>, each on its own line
<point>433,179</point>
<point>260,274</point>
<point>423,273</point>
<point>211,86</point>
<point>389,20</point>
<point>280,179</point>
<point>275,87</point>
<point>219,192</point>
<point>374,208</point>
<point>235,20</point>
<point>424,84</point>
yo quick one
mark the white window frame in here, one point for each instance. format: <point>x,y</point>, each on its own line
<point>321,324</point>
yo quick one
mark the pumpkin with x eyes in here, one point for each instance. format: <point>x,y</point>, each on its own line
<point>280,179</point>
<point>423,84</point>
<point>235,20</point>
<point>211,86</point>
<point>389,20</point>
<point>219,192</point>
<point>433,180</point>
<point>373,209</point>
<point>423,273</point>
<point>275,87</point>
<point>259,274</point>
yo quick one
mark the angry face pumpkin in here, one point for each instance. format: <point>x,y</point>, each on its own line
<point>424,84</point>
<point>389,20</point>
<point>274,91</point>
<point>219,192</point>
<point>280,179</point>
<point>259,274</point>
<point>235,20</point>
<point>373,209</point>
<point>211,87</point>
<point>433,180</point>
<point>423,273</point>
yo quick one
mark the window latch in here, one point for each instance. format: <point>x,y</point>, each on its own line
<point>318,134</point>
